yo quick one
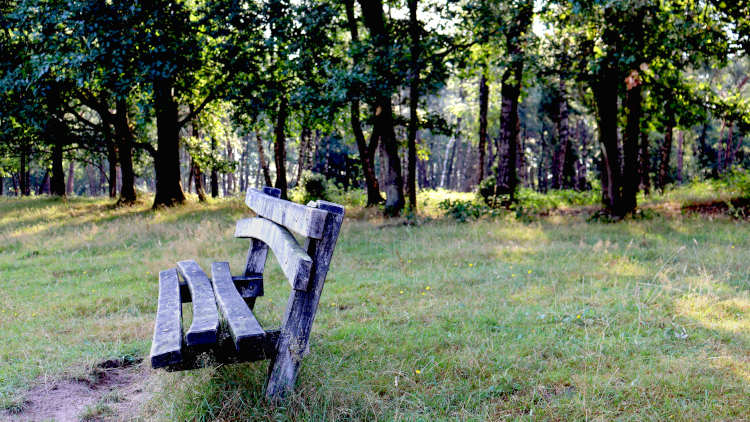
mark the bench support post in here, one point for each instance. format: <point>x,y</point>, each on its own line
<point>300,312</point>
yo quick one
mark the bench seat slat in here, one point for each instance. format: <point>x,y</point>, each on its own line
<point>167,343</point>
<point>205,316</point>
<point>243,326</point>
<point>294,261</point>
<point>304,220</point>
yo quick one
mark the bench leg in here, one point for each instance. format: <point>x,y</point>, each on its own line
<point>300,311</point>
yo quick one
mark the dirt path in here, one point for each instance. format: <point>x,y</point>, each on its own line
<point>113,390</point>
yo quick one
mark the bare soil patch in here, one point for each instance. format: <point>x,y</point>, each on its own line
<point>110,391</point>
<point>737,208</point>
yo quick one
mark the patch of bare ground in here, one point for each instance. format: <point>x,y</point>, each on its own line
<point>112,391</point>
<point>737,208</point>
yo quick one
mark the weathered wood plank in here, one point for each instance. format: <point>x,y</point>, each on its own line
<point>243,326</point>
<point>225,353</point>
<point>294,262</point>
<point>256,257</point>
<point>205,316</point>
<point>300,312</point>
<point>167,343</point>
<point>304,220</point>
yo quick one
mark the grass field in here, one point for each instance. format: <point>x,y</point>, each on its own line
<point>555,319</point>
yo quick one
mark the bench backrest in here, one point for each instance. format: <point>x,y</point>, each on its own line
<point>304,266</point>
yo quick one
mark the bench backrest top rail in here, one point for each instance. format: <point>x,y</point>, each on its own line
<point>307,221</point>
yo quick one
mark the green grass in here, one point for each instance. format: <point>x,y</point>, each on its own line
<point>558,319</point>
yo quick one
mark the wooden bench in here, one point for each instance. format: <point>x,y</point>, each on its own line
<point>240,338</point>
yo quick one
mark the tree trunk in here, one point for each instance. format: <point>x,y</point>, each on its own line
<point>631,179</point>
<point>198,180</point>
<point>506,177</point>
<point>214,172</point>
<point>230,176</point>
<point>24,176</point>
<point>563,139</point>
<point>414,50</point>
<point>450,151</point>
<point>680,140</point>
<point>664,153</point>
<point>124,138</point>
<point>372,12</point>
<point>112,167</point>
<point>304,144</point>
<point>484,94</point>
<point>167,163</point>
<point>44,184</point>
<point>605,96</point>
<point>69,189</point>
<point>645,164</point>
<point>262,159</point>
<point>57,183</point>
<point>366,152</point>
<point>279,147</point>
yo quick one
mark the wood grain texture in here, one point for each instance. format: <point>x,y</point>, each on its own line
<point>243,326</point>
<point>255,262</point>
<point>302,306</point>
<point>166,346</point>
<point>205,316</point>
<point>294,262</point>
<point>301,219</point>
<point>224,352</point>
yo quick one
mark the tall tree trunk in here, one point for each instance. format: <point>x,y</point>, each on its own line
<point>507,177</point>
<point>484,94</point>
<point>605,96</point>
<point>415,51</point>
<point>230,176</point>
<point>304,144</point>
<point>198,179</point>
<point>93,185</point>
<point>680,141</point>
<point>124,138</point>
<point>664,153</point>
<point>728,148</point>
<point>645,164</point>
<point>44,184</point>
<point>167,164</point>
<point>263,162</point>
<point>450,151</point>
<point>279,147</point>
<point>112,167</point>
<point>563,138</point>
<point>372,12</point>
<point>69,189</point>
<point>214,172</point>
<point>631,179</point>
<point>22,173</point>
<point>57,183</point>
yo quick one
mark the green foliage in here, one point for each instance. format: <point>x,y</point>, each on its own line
<point>737,180</point>
<point>312,186</point>
<point>463,211</point>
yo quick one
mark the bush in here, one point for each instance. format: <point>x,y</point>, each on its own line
<point>738,181</point>
<point>464,211</point>
<point>311,187</point>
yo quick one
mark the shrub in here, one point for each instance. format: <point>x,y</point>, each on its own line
<point>464,211</point>
<point>311,187</point>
